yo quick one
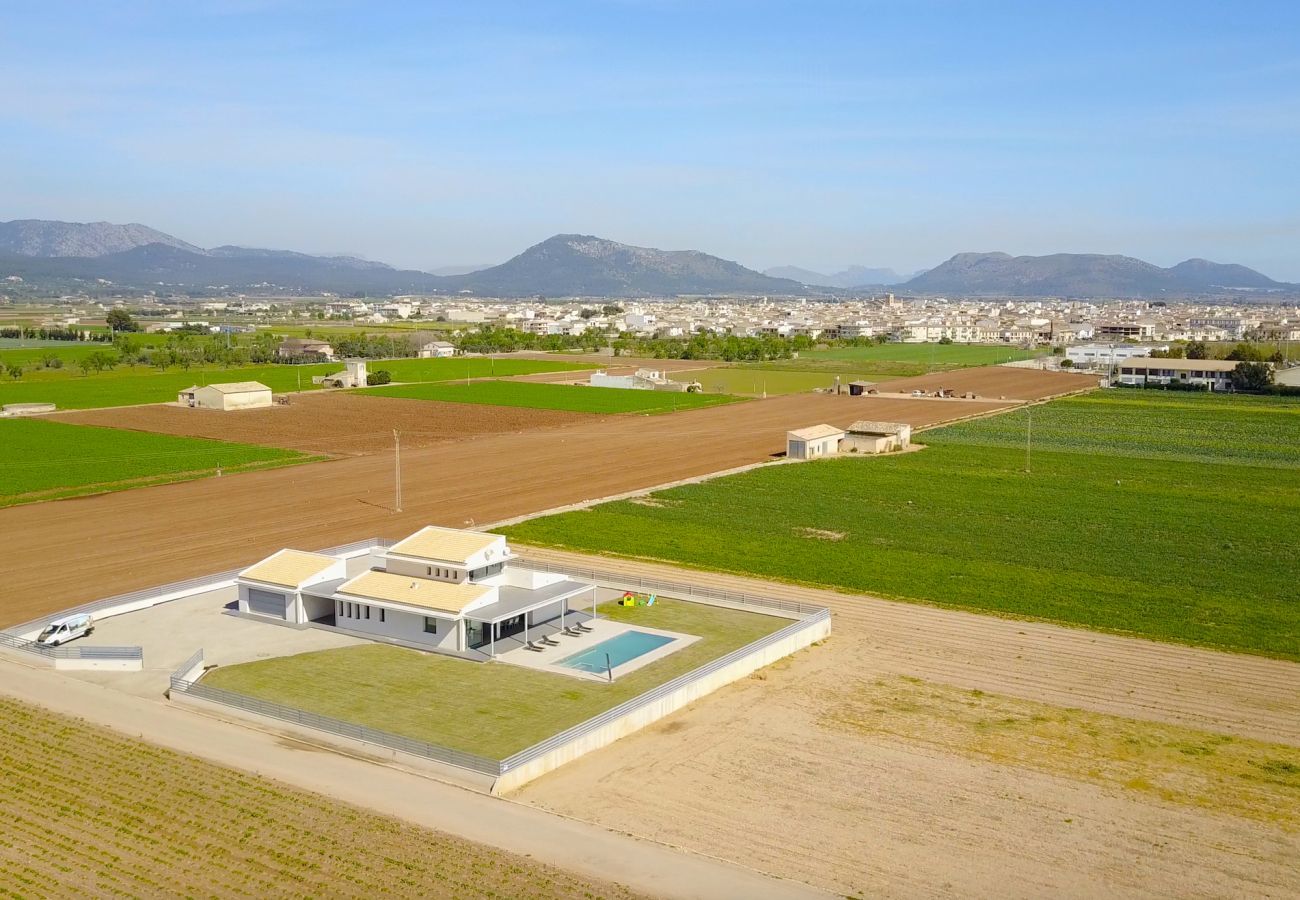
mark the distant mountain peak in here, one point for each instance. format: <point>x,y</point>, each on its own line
<point>587,265</point>
<point>46,238</point>
<point>1083,275</point>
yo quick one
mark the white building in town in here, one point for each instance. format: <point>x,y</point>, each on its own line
<point>1103,356</point>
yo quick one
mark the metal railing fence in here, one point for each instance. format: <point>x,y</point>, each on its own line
<point>14,642</point>
<point>462,759</point>
<point>655,694</point>
<point>330,725</point>
<point>672,588</point>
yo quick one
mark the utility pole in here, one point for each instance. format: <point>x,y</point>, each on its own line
<point>1029,443</point>
<point>397,460</point>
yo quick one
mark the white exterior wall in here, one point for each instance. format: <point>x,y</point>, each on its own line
<point>626,382</point>
<point>403,626</point>
<point>428,570</point>
<point>866,443</point>
<point>814,449</point>
<point>210,398</point>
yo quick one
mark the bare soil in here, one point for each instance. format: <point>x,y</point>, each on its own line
<point>335,423</point>
<point>801,771</point>
<point>120,542</point>
<point>996,382</point>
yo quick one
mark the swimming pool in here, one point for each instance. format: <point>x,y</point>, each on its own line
<point>620,649</point>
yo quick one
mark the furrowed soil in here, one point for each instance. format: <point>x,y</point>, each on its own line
<point>922,752</point>
<point>993,382</point>
<point>86,812</point>
<point>338,423</point>
<point>131,540</point>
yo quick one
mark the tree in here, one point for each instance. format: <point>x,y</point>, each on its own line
<point>120,320</point>
<point>1252,376</point>
<point>1246,353</point>
<point>1066,364</point>
<point>945,340</point>
<point>380,376</point>
<point>1198,350</point>
<point>15,371</point>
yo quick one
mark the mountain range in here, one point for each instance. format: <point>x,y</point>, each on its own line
<point>1085,275</point>
<point>67,256</point>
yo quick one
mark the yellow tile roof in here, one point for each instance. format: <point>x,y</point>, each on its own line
<point>289,568</point>
<point>441,596</point>
<point>444,544</point>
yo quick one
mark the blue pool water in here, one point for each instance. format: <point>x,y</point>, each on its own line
<point>622,648</point>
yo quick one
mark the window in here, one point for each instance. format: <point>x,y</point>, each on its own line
<point>429,571</point>
<point>367,612</point>
<point>430,625</point>
<point>381,614</point>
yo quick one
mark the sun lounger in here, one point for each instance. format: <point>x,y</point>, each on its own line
<point>531,646</point>
<point>572,632</point>
<point>549,641</point>
<point>580,627</point>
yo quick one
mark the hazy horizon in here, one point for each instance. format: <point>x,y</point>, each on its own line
<point>833,135</point>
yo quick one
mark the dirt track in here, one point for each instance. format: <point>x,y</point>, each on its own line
<point>874,815</point>
<point>333,422</point>
<point>118,542</point>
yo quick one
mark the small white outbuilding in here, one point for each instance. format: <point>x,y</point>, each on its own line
<point>230,396</point>
<point>813,442</point>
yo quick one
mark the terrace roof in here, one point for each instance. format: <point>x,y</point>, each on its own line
<point>408,590</point>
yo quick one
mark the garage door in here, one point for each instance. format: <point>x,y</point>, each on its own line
<point>266,603</point>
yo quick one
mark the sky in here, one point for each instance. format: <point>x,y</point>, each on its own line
<point>819,134</point>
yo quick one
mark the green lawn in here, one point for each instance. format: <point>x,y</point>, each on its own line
<point>125,386</point>
<point>44,460</point>
<point>1106,533</point>
<point>573,398</point>
<point>490,709</point>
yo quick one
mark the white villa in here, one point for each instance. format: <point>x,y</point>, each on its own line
<point>439,589</point>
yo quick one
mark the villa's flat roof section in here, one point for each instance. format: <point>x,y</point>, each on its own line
<point>425,593</point>
<point>515,600</point>
<point>289,568</point>
<point>444,544</point>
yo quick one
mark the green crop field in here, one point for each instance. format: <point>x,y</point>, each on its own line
<point>1214,428</point>
<point>126,386</point>
<point>897,360</point>
<point>1107,532</point>
<point>573,398</point>
<point>490,710</point>
<point>755,382</point>
<point>44,460</point>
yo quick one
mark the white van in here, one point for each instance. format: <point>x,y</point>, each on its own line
<point>60,631</point>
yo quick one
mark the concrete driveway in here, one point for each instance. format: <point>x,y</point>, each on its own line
<point>171,632</point>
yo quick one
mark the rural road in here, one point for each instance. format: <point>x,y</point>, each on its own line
<point>567,843</point>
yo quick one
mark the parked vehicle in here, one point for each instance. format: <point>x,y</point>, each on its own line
<point>60,631</point>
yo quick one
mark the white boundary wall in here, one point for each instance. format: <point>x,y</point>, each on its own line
<point>515,778</point>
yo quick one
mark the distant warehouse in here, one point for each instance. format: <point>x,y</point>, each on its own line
<point>1212,374</point>
<point>230,396</point>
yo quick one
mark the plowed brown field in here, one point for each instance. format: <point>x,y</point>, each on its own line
<point>997,381</point>
<point>125,541</point>
<point>337,423</point>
